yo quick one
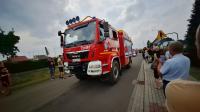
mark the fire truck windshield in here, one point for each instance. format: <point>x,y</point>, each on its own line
<point>80,35</point>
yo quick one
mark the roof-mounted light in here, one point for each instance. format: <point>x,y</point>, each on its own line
<point>73,20</point>
<point>77,18</point>
<point>67,22</point>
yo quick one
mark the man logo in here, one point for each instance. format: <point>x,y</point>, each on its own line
<point>75,56</point>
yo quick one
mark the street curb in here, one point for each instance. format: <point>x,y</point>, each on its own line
<point>131,101</point>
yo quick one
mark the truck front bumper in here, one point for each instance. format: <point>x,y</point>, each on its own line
<point>78,67</point>
<point>92,68</point>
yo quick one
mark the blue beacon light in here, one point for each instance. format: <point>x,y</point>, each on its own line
<point>77,18</point>
<point>73,20</point>
<point>67,22</point>
<point>70,21</point>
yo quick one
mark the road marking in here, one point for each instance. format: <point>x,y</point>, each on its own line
<point>134,82</point>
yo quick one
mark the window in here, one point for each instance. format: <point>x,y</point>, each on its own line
<point>83,34</point>
<point>128,47</point>
<point>101,30</point>
<point>112,33</point>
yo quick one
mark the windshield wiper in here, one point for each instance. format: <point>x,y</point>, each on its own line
<point>83,42</point>
<point>70,45</point>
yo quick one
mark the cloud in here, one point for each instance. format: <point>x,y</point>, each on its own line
<point>37,22</point>
<point>34,16</point>
<point>168,15</point>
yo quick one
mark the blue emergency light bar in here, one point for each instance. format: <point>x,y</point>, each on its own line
<point>73,20</point>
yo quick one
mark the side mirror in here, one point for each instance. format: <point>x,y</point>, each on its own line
<point>61,38</point>
<point>59,33</point>
<point>106,27</point>
<point>61,41</point>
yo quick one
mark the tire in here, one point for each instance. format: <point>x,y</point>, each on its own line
<point>129,64</point>
<point>115,72</point>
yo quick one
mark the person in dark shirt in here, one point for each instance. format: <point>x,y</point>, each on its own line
<point>51,65</point>
<point>155,66</point>
<point>151,53</point>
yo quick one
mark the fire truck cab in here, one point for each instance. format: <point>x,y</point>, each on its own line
<point>92,47</point>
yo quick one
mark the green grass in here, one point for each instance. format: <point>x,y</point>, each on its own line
<point>195,72</point>
<point>24,79</point>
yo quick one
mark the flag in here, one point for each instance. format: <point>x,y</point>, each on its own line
<point>161,35</point>
<point>47,52</point>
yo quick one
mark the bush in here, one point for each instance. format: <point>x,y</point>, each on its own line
<point>26,65</point>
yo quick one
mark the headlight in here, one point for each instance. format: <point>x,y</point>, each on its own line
<point>66,64</point>
<point>94,68</point>
<point>94,64</point>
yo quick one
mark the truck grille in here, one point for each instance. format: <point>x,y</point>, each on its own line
<point>78,68</point>
<point>77,55</point>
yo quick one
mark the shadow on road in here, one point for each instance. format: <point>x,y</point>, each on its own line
<point>94,95</point>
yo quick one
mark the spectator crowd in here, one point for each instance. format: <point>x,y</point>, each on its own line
<point>171,72</point>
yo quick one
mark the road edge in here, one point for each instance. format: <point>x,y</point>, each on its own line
<point>134,82</point>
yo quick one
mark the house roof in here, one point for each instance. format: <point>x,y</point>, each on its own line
<point>19,58</point>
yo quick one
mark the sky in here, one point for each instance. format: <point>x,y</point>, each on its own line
<point>38,21</point>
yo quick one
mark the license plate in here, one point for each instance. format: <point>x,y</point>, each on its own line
<point>70,67</point>
<point>76,60</point>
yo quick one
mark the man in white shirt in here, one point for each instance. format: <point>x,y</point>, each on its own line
<point>183,95</point>
<point>177,67</point>
<point>60,67</point>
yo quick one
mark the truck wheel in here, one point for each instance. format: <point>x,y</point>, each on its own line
<point>115,72</point>
<point>81,76</point>
<point>129,64</point>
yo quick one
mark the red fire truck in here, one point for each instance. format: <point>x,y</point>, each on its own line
<point>92,47</point>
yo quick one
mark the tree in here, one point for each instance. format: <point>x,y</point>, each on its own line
<point>149,44</point>
<point>194,21</point>
<point>8,43</point>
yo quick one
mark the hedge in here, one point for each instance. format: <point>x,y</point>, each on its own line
<point>23,66</point>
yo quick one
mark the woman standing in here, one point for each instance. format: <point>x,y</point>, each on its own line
<point>155,65</point>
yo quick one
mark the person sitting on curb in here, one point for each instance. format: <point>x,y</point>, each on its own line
<point>5,79</point>
<point>177,67</point>
<point>183,95</point>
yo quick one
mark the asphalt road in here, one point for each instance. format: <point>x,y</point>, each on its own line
<point>97,96</point>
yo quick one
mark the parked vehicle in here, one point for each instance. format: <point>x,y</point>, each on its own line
<point>134,53</point>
